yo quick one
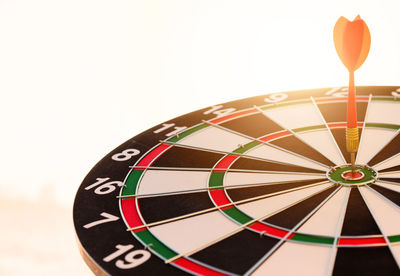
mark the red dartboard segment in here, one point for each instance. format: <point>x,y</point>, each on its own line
<point>153,155</point>
<point>220,199</point>
<point>131,214</point>
<point>343,125</point>
<point>271,231</point>
<point>341,99</point>
<point>275,136</point>
<point>374,241</point>
<point>225,163</point>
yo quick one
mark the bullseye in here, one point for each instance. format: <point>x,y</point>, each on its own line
<point>356,175</point>
<point>343,175</point>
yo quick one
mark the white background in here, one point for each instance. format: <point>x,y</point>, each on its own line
<point>77,78</point>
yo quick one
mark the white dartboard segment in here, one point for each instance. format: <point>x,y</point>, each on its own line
<point>194,231</point>
<point>305,115</point>
<point>271,153</point>
<point>389,186</point>
<point>237,178</point>
<point>388,163</point>
<point>270,205</point>
<point>386,214</point>
<point>215,139</point>
<point>159,181</point>
<point>372,141</point>
<point>386,112</point>
<point>322,141</point>
<point>396,251</point>
<point>325,220</point>
<point>394,174</point>
<point>304,260</point>
<point>295,116</point>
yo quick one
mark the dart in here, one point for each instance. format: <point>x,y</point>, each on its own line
<point>352,42</point>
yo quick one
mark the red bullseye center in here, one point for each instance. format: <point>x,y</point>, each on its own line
<point>353,175</point>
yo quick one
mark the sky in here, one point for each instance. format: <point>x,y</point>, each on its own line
<point>78,78</point>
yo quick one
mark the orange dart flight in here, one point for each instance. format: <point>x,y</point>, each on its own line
<point>352,41</point>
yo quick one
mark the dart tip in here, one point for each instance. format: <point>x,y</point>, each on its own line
<point>353,162</point>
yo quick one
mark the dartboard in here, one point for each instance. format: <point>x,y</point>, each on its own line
<point>258,186</point>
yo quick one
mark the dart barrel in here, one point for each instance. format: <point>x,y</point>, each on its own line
<point>352,139</point>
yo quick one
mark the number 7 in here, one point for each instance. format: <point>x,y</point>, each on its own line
<point>108,218</point>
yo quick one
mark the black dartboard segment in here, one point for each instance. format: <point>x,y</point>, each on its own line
<point>242,188</point>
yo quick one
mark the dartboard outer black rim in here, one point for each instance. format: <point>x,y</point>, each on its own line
<point>250,187</point>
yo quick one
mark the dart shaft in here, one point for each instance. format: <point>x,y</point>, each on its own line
<point>351,103</point>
